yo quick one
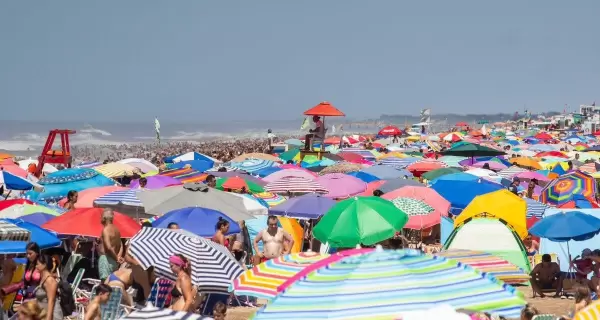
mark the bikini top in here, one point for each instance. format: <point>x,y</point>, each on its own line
<point>32,276</point>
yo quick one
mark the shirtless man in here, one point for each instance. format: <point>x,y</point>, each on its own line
<point>92,312</point>
<point>546,275</point>
<point>273,239</point>
<point>111,248</point>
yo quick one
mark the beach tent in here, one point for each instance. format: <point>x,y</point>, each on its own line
<point>492,236</point>
<point>501,204</point>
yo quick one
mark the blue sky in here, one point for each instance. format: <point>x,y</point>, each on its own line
<point>272,59</point>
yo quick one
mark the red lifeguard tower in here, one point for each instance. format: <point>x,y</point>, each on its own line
<point>323,109</point>
<point>56,156</point>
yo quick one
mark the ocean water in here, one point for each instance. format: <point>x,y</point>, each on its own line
<point>28,136</point>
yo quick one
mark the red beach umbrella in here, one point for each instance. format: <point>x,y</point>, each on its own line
<point>9,203</point>
<point>462,124</point>
<point>324,109</point>
<point>390,131</point>
<point>87,222</point>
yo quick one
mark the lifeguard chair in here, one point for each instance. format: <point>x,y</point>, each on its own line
<point>323,109</point>
<point>56,156</point>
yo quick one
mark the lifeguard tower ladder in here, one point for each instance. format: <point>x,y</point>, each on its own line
<point>62,156</point>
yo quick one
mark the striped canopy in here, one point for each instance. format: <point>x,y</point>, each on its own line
<point>272,199</point>
<point>511,171</point>
<point>399,162</point>
<point>185,175</point>
<point>295,185</point>
<point>213,267</point>
<point>163,314</point>
<point>535,209</point>
<point>382,284</point>
<point>125,197</point>
<point>561,190</point>
<point>251,165</point>
<point>485,262</point>
<point>11,232</point>
<point>263,280</point>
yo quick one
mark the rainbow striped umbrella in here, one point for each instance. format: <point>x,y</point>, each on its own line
<point>251,165</point>
<point>272,199</point>
<point>263,280</point>
<point>185,175</point>
<point>384,284</point>
<point>487,263</point>
<point>561,190</point>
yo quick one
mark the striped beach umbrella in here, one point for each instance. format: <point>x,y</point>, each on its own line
<point>591,312</point>
<point>163,314</point>
<point>12,232</point>
<point>384,284</point>
<point>185,175</point>
<point>294,185</point>
<point>485,262</point>
<point>535,209</point>
<point>263,280</point>
<point>511,171</point>
<point>212,265</point>
<point>120,197</point>
<point>272,199</point>
<point>251,165</point>
<point>399,162</point>
<point>562,190</point>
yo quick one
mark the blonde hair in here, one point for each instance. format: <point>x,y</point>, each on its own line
<point>32,310</point>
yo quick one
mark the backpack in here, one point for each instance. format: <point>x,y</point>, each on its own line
<point>65,295</point>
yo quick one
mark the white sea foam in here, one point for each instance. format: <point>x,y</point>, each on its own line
<point>90,129</point>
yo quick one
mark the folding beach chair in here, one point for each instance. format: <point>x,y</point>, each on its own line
<point>160,294</point>
<point>77,282</point>
<point>545,317</point>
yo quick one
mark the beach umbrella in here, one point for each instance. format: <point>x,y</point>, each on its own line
<point>487,263</point>
<point>17,243</point>
<point>271,199</point>
<point>10,166</point>
<point>263,280</point>
<point>308,206</point>
<point>565,226</point>
<point>195,195</point>
<point>11,202</point>
<point>255,155</point>
<point>341,167</point>
<point>237,183</point>
<point>526,162</point>
<point>535,209</point>
<point>384,172</point>
<point>266,171</point>
<point>324,109</point>
<point>452,161</point>
<point>359,220</point>
<point>341,186</point>
<point>199,221</point>
<point>155,182</point>
<point>191,156</point>
<point>86,198</point>
<point>387,284</point>
<point>152,313</point>
<point>562,190</point>
<point>427,195</point>
<point>124,201</point>
<point>212,265</point>
<point>240,174</point>
<point>116,170</point>
<point>434,174</point>
<point>365,177</point>
<point>58,184</point>
<point>13,182</point>
<point>184,175</point>
<point>251,165</point>
<point>86,222</point>
<point>492,165</point>
<point>390,131</point>
<point>21,210</point>
<point>295,185</point>
<point>420,214</point>
<point>37,218</point>
<point>395,184</point>
<point>461,193</point>
<point>528,175</point>
<point>399,162</point>
<point>471,150</point>
<point>511,171</point>
<point>426,165</point>
<point>198,165</point>
<point>142,164</point>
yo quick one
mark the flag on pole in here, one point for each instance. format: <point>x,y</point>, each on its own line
<point>305,124</point>
<point>157,129</point>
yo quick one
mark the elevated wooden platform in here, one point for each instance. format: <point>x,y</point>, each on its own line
<point>318,154</point>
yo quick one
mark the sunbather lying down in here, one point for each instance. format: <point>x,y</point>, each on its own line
<point>546,276</point>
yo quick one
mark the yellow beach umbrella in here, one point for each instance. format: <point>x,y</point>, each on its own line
<point>395,154</point>
<point>501,204</point>
<point>116,170</point>
<point>526,162</point>
<point>256,155</point>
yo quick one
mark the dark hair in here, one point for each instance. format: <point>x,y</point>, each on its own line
<point>32,246</point>
<point>144,180</point>
<point>529,312</point>
<point>377,193</point>
<point>210,178</point>
<point>103,288</point>
<point>147,224</point>
<point>222,169</point>
<point>221,223</point>
<point>220,308</point>
<point>546,258</point>
<point>70,195</point>
<point>172,224</point>
<point>271,217</point>
<point>48,261</point>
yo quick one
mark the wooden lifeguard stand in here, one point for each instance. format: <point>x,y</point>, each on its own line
<point>323,109</point>
<point>62,156</point>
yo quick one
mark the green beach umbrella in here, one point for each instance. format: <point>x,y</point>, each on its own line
<point>360,220</point>
<point>434,174</point>
<point>237,183</point>
<point>467,149</point>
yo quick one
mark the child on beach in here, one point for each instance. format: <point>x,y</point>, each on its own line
<point>92,311</point>
<point>219,311</point>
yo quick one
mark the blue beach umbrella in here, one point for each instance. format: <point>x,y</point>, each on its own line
<point>461,193</point>
<point>384,172</point>
<point>200,221</point>
<point>308,206</point>
<point>565,226</point>
<point>58,184</point>
<point>13,182</point>
<point>363,176</point>
<point>199,165</point>
<point>38,218</point>
<point>44,238</point>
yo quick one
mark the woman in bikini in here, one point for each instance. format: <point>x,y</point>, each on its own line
<point>184,294</point>
<point>46,293</point>
<point>222,228</point>
<point>71,200</point>
<point>122,278</point>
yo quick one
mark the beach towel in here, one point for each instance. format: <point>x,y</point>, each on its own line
<point>106,266</point>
